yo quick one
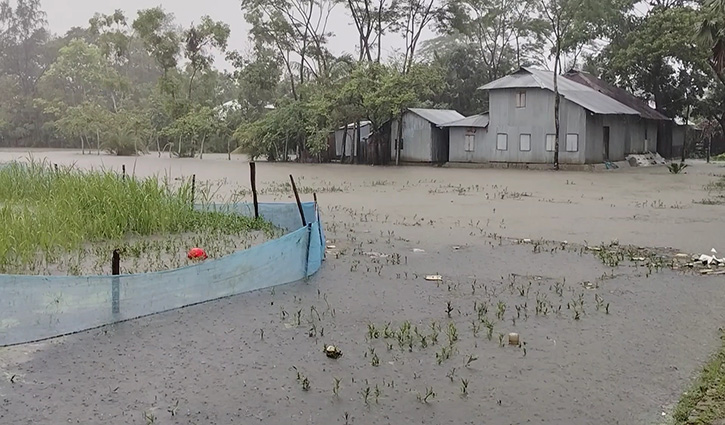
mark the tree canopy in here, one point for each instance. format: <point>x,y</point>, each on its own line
<point>127,84</point>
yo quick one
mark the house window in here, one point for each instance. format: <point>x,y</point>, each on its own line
<point>550,142</point>
<point>502,142</point>
<point>521,99</point>
<point>572,142</point>
<point>524,142</point>
<point>469,142</point>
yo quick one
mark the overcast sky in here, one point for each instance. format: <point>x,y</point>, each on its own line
<point>64,14</point>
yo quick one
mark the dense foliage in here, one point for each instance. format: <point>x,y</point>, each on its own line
<point>132,84</point>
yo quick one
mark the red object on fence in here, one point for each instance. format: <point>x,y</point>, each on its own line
<point>197,254</point>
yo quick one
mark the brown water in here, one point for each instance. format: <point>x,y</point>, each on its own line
<point>231,361</point>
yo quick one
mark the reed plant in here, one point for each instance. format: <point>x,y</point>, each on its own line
<point>46,211</point>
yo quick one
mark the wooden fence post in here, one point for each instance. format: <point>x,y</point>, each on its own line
<point>299,203</point>
<point>193,189</point>
<point>116,282</point>
<point>253,175</point>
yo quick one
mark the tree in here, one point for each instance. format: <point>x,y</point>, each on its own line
<point>572,24</point>
<point>461,65</point>
<point>372,18</point>
<point>712,33</point>
<point>199,39</point>
<point>161,40</point>
<point>112,34</point>
<point>23,60</point>
<point>81,74</point>
<point>411,17</point>
<point>667,70</point>
<point>258,80</point>
<point>297,30</point>
<point>192,130</point>
<point>504,34</point>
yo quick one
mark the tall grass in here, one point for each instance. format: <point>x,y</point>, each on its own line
<point>45,211</point>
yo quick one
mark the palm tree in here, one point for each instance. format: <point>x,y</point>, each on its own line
<point>712,34</point>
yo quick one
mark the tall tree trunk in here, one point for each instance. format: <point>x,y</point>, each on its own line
<point>98,140</point>
<point>557,104</point>
<point>191,82</point>
<point>201,152</point>
<point>380,31</point>
<point>83,146</point>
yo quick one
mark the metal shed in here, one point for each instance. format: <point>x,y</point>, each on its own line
<point>423,140</point>
<point>351,149</point>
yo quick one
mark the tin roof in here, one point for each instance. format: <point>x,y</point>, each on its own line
<point>620,95</point>
<point>573,91</point>
<point>475,121</point>
<point>437,116</point>
<point>352,125</point>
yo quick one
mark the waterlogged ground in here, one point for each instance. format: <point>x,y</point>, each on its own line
<point>599,343</point>
<point>141,254</point>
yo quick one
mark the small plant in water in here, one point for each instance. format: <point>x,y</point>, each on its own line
<point>676,168</point>
<point>429,395</point>
<point>471,358</point>
<point>464,387</point>
<point>374,359</point>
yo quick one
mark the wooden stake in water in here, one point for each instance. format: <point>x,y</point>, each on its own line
<point>253,176</point>
<point>116,282</point>
<point>299,203</point>
<point>193,188</point>
<point>123,172</point>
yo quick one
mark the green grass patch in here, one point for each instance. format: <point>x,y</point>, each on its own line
<point>46,211</point>
<point>705,401</point>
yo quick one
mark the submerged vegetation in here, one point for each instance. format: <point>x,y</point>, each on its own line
<point>48,212</point>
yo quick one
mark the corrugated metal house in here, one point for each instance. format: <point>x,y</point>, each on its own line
<point>465,135</point>
<point>423,140</point>
<point>351,148</point>
<point>594,127</point>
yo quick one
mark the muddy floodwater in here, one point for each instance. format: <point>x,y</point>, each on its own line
<point>598,343</point>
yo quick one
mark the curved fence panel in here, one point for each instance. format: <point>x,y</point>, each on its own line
<point>34,308</point>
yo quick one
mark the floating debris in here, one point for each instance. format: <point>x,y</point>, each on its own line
<point>434,278</point>
<point>418,250</point>
<point>332,352</point>
<point>513,338</point>
<point>590,285</point>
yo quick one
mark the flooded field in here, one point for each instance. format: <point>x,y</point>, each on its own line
<point>428,272</point>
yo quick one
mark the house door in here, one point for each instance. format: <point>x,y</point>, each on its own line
<point>606,143</point>
<point>469,146</point>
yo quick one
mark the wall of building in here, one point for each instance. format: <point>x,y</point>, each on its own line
<point>461,151</point>
<point>679,134</point>
<point>350,141</point>
<point>652,135</point>
<point>627,135</point>
<point>417,139</point>
<point>535,119</point>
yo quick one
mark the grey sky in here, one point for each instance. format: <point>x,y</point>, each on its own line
<point>64,14</point>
